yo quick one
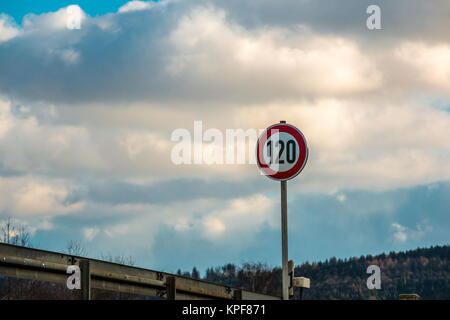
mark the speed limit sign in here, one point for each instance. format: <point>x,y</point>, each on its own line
<point>281,152</point>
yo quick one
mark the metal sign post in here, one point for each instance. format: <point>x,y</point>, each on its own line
<point>284,242</point>
<point>281,153</point>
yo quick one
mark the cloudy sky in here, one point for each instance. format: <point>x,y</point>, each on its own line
<point>86,117</point>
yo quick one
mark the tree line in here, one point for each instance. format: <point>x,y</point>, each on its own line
<point>425,271</point>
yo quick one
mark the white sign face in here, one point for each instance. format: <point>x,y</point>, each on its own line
<point>281,152</point>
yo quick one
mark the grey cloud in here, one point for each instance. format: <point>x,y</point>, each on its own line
<point>408,19</point>
<point>121,58</point>
<point>110,61</point>
<point>6,172</point>
<point>169,191</point>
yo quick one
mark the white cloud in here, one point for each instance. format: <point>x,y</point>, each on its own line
<point>403,234</point>
<point>90,233</point>
<point>328,85</point>
<point>53,21</point>
<point>28,146</point>
<point>198,50</point>
<point>213,219</point>
<point>70,56</point>
<point>400,232</point>
<point>7,28</point>
<point>383,145</point>
<point>429,63</point>
<point>241,215</point>
<point>341,197</point>
<point>136,5</point>
<point>31,197</point>
<point>214,226</point>
<point>137,143</point>
<point>364,143</point>
<point>209,47</point>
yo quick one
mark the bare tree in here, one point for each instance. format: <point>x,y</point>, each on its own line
<point>120,259</point>
<point>76,248</point>
<point>14,233</point>
<point>17,234</point>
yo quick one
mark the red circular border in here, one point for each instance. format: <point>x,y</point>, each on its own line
<point>303,150</point>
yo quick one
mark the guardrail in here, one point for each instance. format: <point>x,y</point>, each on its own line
<point>28,263</point>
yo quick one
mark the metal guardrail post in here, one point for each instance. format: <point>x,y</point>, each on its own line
<point>237,294</point>
<point>171,287</point>
<point>85,280</point>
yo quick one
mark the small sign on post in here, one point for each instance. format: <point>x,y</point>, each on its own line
<point>281,154</point>
<point>291,278</point>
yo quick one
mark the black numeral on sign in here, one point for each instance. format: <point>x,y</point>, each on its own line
<point>291,152</point>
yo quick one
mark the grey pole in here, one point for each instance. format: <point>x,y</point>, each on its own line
<point>284,241</point>
<point>284,277</point>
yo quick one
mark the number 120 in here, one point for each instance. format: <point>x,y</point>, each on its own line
<point>279,145</point>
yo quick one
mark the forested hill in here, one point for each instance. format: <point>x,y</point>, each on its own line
<point>422,271</point>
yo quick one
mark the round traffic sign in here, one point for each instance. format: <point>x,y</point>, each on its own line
<point>281,151</point>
